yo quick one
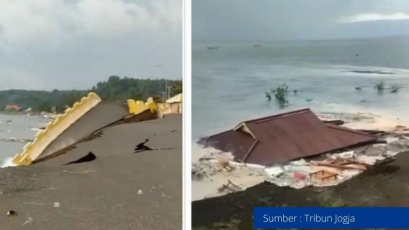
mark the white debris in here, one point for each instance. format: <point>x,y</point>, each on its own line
<point>347,155</point>
<point>343,155</point>
<point>28,221</point>
<point>348,174</point>
<point>370,160</point>
<point>299,162</point>
<point>295,174</point>
<point>391,139</point>
<point>274,171</point>
<point>140,192</point>
<point>391,154</point>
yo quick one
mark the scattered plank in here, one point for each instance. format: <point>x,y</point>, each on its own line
<point>357,167</point>
<point>335,122</point>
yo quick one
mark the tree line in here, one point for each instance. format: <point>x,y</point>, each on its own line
<point>115,89</point>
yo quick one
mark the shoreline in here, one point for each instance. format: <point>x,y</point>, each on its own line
<point>118,190</point>
<point>11,113</point>
<point>17,129</point>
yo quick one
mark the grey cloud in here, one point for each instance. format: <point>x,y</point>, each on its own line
<point>291,20</point>
<point>65,44</point>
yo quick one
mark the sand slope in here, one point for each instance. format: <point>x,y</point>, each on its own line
<point>102,194</point>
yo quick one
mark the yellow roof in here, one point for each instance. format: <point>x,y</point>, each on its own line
<point>177,98</point>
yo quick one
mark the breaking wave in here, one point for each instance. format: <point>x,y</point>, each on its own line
<point>371,70</point>
<point>8,162</point>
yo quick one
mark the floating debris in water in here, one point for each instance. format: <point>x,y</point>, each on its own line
<point>11,139</point>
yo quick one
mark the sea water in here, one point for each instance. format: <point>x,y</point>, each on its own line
<point>229,84</point>
<point>18,127</point>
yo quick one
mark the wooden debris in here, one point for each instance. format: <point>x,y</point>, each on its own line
<point>349,166</point>
<point>334,122</point>
<point>373,132</point>
<point>324,176</point>
<point>206,158</point>
<point>340,161</point>
<point>224,165</point>
<point>229,186</point>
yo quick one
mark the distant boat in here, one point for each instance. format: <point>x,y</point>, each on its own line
<point>257,46</point>
<point>212,47</point>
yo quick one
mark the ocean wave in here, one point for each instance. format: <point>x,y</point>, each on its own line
<point>370,72</point>
<point>323,70</point>
<point>377,70</point>
<point>8,162</point>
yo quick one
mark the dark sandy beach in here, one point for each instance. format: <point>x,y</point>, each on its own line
<point>119,190</point>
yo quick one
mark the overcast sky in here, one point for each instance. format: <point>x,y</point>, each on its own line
<point>298,19</point>
<point>65,44</point>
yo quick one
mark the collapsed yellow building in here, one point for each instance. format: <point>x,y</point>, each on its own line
<point>83,120</point>
<point>173,105</point>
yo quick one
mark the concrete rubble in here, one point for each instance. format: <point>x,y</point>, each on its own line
<point>344,165</point>
<point>391,132</point>
<point>339,167</point>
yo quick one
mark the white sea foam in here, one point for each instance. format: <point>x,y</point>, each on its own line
<point>8,162</point>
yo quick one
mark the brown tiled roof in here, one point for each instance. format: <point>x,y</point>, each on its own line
<point>285,137</point>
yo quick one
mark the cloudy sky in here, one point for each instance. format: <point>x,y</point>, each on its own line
<point>65,44</point>
<point>298,19</point>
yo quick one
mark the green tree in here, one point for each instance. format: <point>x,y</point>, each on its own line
<point>176,88</point>
<point>115,89</point>
<point>44,107</point>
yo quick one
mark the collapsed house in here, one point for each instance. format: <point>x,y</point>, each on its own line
<point>85,120</point>
<point>173,105</point>
<point>285,137</point>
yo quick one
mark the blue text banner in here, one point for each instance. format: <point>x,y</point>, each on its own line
<point>326,217</point>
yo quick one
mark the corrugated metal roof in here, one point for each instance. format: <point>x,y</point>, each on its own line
<point>285,137</point>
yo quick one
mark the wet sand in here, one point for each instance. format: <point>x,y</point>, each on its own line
<point>119,190</point>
